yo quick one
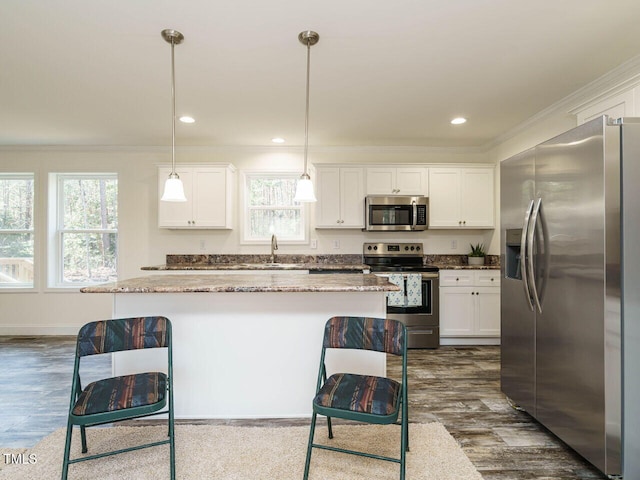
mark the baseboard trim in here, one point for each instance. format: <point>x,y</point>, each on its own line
<point>37,330</point>
<point>470,341</point>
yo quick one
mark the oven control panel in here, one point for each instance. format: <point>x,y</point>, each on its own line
<point>393,249</point>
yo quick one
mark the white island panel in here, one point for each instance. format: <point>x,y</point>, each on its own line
<point>248,355</point>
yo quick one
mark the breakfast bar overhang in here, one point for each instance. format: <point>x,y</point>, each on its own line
<point>248,346</point>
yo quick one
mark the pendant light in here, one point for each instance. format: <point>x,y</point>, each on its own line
<point>304,189</point>
<point>173,188</point>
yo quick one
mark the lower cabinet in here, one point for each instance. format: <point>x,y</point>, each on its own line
<point>470,303</point>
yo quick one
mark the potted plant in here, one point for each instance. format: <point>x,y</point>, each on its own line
<point>476,257</point>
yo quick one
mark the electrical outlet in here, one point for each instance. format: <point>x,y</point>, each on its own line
<point>314,243</point>
<point>203,244</point>
<point>454,244</point>
<point>336,244</point>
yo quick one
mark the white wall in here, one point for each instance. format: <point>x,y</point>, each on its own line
<point>142,243</point>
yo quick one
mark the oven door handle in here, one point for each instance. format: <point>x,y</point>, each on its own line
<point>425,275</point>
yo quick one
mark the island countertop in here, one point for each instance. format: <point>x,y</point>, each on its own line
<point>191,283</point>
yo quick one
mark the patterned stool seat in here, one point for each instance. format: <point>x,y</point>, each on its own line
<point>359,393</point>
<point>123,392</point>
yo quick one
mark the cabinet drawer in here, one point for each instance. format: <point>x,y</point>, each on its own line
<point>487,278</point>
<point>456,278</point>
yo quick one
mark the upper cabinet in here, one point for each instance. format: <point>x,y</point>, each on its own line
<point>616,105</point>
<point>397,181</point>
<point>461,197</point>
<point>209,191</point>
<point>340,197</point>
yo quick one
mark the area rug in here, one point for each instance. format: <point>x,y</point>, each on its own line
<point>249,453</point>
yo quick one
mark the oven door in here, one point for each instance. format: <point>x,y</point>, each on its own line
<point>423,321</point>
<point>429,306</point>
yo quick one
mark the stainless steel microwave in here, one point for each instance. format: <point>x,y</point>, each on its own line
<point>396,213</point>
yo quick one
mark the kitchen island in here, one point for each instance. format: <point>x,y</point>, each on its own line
<point>248,346</point>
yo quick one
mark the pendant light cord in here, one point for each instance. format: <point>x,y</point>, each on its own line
<point>306,117</point>
<point>173,111</point>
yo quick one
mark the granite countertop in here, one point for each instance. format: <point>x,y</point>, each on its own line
<point>357,268</point>
<point>444,266</point>
<point>313,263</point>
<point>281,282</point>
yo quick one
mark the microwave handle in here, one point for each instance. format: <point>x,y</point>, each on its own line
<point>415,215</point>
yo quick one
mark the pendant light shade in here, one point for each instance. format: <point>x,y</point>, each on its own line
<point>304,189</point>
<point>173,188</point>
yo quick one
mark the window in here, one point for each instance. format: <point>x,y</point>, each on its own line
<point>16,230</point>
<point>83,229</point>
<point>270,209</point>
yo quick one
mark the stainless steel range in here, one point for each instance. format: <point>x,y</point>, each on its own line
<point>417,304</point>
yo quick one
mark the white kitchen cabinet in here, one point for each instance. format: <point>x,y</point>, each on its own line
<point>341,195</point>
<point>461,197</point>
<point>469,303</point>
<point>397,181</point>
<point>209,191</point>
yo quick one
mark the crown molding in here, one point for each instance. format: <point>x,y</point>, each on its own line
<point>620,79</point>
<point>244,148</point>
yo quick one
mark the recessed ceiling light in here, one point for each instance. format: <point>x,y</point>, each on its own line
<point>277,140</point>
<point>186,119</point>
<point>458,121</point>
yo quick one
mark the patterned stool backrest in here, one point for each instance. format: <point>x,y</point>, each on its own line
<point>106,336</point>
<point>365,333</point>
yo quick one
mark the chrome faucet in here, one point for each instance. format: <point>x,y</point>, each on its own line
<point>274,247</point>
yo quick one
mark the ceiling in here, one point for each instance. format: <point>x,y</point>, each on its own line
<point>384,73</point>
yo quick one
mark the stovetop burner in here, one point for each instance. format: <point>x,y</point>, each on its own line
<point>395,257</point>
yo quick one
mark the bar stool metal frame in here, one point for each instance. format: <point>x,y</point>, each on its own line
<point>126,397</point>
<point>369,399</point>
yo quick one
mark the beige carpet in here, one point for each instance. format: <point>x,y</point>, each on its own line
<point>251,453</point>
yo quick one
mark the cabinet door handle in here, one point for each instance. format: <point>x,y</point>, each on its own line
<point>457,279</point>
<point>459,222</point>
<point>464,222</point>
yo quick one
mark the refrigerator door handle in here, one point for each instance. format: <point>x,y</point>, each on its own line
<point>523,255</point>
<point>531,230</point>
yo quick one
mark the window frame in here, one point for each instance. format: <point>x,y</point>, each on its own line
<point>23,287</point>
<point>55,247</point>
<point>245,214</point>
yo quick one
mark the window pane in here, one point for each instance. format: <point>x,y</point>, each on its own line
<point>16,203</point>
<point>282,222</point>
<point>90,203</point>
<point>265,191</point>
<point>89,257</point>
<point>16,259</point>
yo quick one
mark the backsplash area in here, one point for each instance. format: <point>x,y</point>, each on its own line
<point>217,259</point>
<point>211,259</point>
<point>456,260</point>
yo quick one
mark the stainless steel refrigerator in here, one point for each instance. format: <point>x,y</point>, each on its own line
<point>570,309</point>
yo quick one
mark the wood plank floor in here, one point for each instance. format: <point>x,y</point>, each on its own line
<point>457,386</point>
